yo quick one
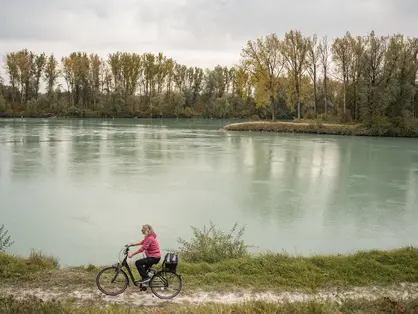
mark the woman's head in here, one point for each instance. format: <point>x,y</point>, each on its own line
<point>147,230</point>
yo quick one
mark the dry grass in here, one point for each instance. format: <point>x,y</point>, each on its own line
<point>267,272</point>
<point>384,305</point>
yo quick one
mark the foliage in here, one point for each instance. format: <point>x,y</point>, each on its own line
<point>381,127</point>
<point>213,245</point>
<point>264,62</point>
<point>364,268</point>
<point>34,305</point>
<point>16,268</point>
<point>354,78</point>
<point>5,239</point>
<point>5,109</point>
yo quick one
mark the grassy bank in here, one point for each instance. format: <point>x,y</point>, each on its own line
<point>384,305</point>
<point>384,129</point>
<point>261,273</point>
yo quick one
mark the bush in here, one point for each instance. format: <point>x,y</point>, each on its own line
<point>18,268</point>
<point>212,246</point>
<point>5,109</point>
<point>5,240</point>
<point>39,260</point>
<point>255,117</point>
<point>397,126</point>
<point>345,117</point>
<point>309,115</point>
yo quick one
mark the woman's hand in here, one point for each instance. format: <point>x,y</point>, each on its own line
<point>130,255</point>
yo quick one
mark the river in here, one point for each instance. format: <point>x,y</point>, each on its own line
<point>80,189</point>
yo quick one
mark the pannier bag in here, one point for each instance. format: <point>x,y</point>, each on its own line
<point>170,262</point>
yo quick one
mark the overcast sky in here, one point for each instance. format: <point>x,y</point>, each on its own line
<point>194,32</point>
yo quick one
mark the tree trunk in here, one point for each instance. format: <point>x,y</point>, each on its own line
<point>298,99</point>
<point>273,109</point>
<point>315,96</point>
<point>345,96</point>
<point>325,94</point>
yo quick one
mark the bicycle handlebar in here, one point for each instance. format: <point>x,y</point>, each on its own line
<point>127,246</point>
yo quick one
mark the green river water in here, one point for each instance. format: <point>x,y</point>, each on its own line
<point>81,189</point>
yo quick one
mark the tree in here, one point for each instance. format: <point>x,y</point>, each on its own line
<point>294,50</point>
<point>357,47</point>
<point>24,65</point>
<point>38,69</point>
<point>13,71</point>
<point>373,71</point>
<point>51,73</point>
<point>69,76</point>
<point>325,53</point>
<point>313,54</point>
<point>343,57</point>
<point>94,76</point>
<point>263,60</point>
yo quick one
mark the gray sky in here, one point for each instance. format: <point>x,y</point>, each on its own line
<point>194,32</point>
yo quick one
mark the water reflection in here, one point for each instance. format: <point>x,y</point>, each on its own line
<point>293,192</point>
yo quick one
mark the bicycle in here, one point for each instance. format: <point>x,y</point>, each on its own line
<point>158,278</point>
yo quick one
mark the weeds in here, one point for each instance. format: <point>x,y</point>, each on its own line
<point>16,268</point>
<point>5,240</point>
<point>41,261</point>
<point>216,260</point>
<point>384,305</point>
<point>212,245</point>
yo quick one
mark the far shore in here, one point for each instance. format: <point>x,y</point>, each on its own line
<point>315,127</point>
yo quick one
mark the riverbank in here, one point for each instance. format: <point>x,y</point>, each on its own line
<point>399,299</point>
<point>273,279</point>
<point>314,127</point>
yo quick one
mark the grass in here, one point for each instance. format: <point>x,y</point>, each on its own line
<point>14,268</point>
<point>382,128</point>
<point>204,266</point>
<point>213,245</point>
<point>261,272</point>
<point>385,305</point>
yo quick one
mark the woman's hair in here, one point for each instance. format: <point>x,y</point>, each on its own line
<point>148,229</point>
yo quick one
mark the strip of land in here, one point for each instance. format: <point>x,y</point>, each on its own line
<point>133,298</point>
<point>315,127</point>
<point>370,281</point>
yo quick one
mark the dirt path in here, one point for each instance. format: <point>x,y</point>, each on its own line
<point>133,296</point>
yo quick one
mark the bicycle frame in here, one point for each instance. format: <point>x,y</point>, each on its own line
<point>125,264</point>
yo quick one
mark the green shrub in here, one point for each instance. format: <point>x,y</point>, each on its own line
<point>39,260</point>
<point>211,245</point>
<point>29,305</point>
<point>17,268</point>
<point>5,240</point>
<point>309,115</point>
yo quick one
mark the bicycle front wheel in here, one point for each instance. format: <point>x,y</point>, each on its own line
<point>166,284</point>
<point>112,281</point>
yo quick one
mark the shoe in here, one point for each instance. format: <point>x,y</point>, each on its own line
<point>142,281</point>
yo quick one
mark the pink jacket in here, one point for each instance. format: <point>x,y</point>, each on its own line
<point>150,246</point>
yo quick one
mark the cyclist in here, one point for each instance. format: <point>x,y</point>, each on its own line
<point>151,248</point>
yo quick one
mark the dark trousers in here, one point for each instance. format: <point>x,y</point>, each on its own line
<point>144,264</point>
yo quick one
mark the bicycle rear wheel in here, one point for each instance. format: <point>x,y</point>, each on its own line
<point>166,284</point>
<point>112,281</point>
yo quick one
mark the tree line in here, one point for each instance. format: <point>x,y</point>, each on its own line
<point>352,78</point>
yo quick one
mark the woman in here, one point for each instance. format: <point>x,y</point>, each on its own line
<point>152,252</point>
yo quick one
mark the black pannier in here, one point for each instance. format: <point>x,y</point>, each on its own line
<point>171,261</point>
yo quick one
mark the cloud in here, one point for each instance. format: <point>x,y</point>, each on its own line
<point>195,32</point>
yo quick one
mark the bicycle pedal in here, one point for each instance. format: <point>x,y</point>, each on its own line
<point>143,288</point>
